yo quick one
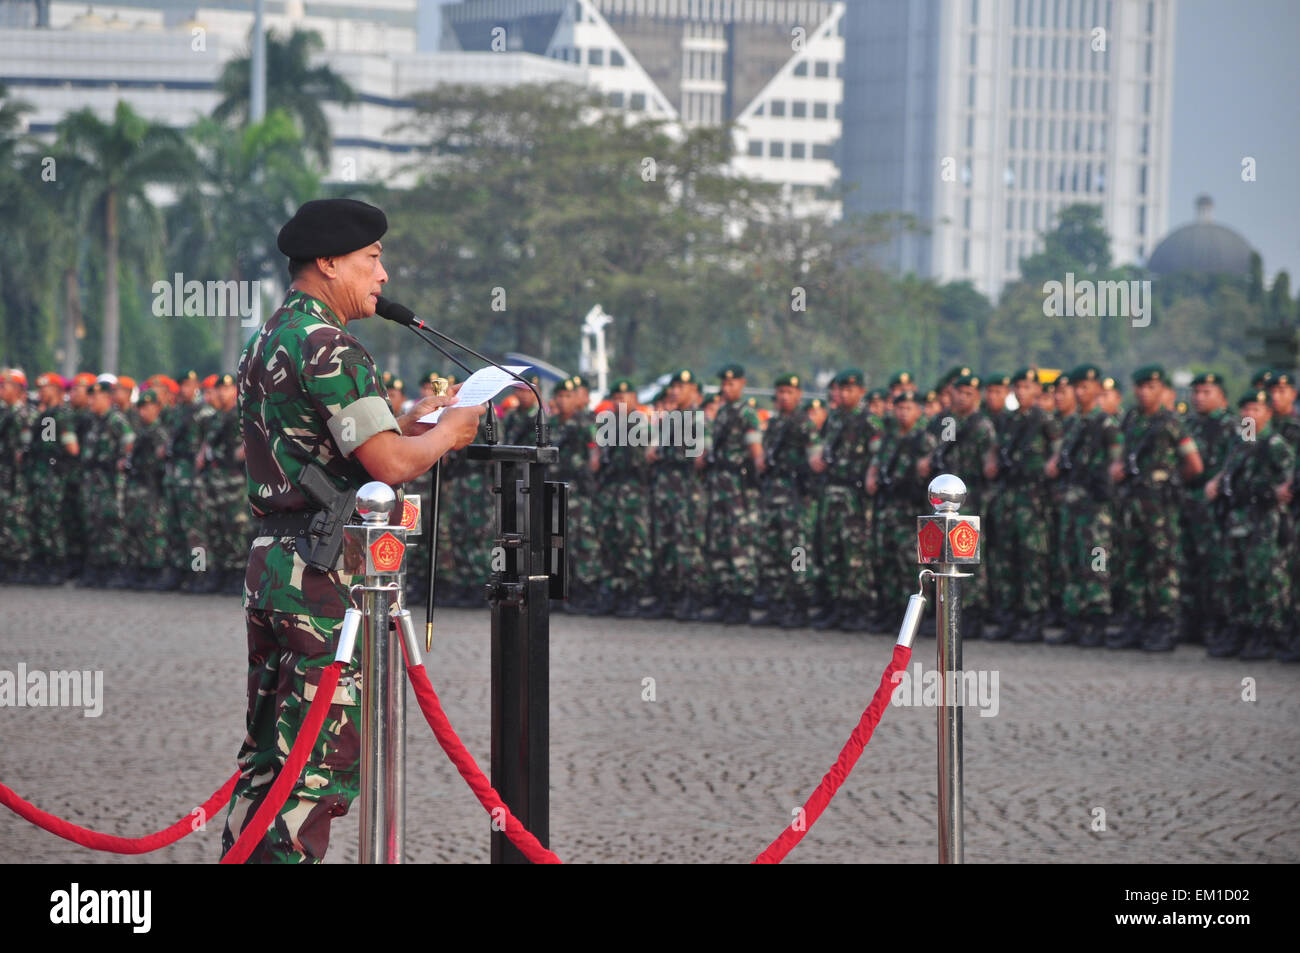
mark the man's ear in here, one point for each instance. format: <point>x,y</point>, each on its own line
<point>326,265</point>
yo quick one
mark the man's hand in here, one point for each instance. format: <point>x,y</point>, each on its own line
<point>1117,471</point>
<point>410,421</point>
<point>1283,493</point>
<point>873,481</point>
<point>1212,489</point>
<point>460,423</point>
<point>1053,469</point>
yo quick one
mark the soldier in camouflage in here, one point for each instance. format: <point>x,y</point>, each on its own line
<point>1204,599</point>
<point>967,446</point>
<point>1157,451</point>
<point>1252,490</point>
<point>1091,443</point>
<point>145,504</point>
<point>309,393</point>
<point>223,486</point>
<point>898,492</point>
<point>844,520</point>
<point>735,464</point>
<point>51,467</point>
<point>1282,401</point>
<point>103,462</point>
<point>624,508</point>
<point>15,441</point>
<point>573,432</point>
<point>1019,553</point>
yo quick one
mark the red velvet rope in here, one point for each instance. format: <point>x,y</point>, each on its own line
<point>118,845</point>
<point>812,809</point>
<point>288,777</point>
<point>528,845</point>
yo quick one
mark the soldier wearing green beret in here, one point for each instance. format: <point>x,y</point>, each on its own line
<point>51,467</point>
<point>15,444</point>
<point>103,462</point>
<point>1282,400</point>
<point>144,501</point>
<point>1158,455</point>
<point>844,521</point>
<point>1086,530</point>
<point>1252,488</point>
<point>573,432</point>
<point>1204,566</point>
<point>519,425</point>
<point>626,542</point>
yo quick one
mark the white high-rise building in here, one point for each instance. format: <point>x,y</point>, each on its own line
<point>772,67</point>
<point>983,118</point>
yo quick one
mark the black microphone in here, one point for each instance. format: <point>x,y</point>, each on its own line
<point>400,314</point>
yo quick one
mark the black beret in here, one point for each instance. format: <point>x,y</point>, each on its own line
<point>326,227</point>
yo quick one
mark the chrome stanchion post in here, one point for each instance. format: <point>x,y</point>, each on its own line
<point>377,551</point>
<point>948,540</point>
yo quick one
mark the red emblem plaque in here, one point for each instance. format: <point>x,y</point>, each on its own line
<point>964,539</point>
<point>409,514</point>
<point>386,553</point>
<point>930,541</point>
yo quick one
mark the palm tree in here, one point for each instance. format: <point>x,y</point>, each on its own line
<point>247,186</point>
<point>292,84</point>
<point>128,155</point>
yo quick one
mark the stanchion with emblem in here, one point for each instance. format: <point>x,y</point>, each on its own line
<point>377,551</point>
<point>947,539</point>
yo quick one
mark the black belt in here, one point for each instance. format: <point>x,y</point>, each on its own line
<point>287,523</point>
<point>844,482</point>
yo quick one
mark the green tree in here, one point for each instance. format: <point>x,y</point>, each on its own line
<point>128,155</point>
<point>292,84</point>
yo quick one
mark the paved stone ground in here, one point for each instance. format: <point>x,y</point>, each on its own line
<point>745,723</point>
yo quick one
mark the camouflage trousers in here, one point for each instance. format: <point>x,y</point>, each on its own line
<point>1085,544</point>
<point>1018,556</point>
<point>102,520</point>
<point>287,654</point>
<point>844,528</point>
<point>228,523</point>
<point>1148,541</point>
<point>786,543</point>
<point>1204,563</point>
<point>625,534</point>
<point>15,528</point>
<point>187,505</point>
<point>46,515</point>
<point>465,554</point>
<point>896,567</point>
<point>678,522</point>
<point>583,539</point>
<point>732,534</point>
<point>1259,593</point>
<point>146,520</point>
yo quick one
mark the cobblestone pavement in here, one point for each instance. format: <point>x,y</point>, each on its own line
<point>744,723</point>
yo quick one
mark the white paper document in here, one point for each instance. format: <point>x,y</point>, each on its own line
<point>479,388</point>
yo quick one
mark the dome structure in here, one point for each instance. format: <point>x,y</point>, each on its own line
<point>1202,246</point>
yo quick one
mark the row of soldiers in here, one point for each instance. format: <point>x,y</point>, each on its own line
<point>1143,527</point>
<point>123,491</point>
<point>1139,527</point>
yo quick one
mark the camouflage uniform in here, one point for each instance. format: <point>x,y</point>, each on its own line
<point>900,498</point>
<point>1203,596</point>
<point>844,520</point>
<point>1258,584</point>
<point>1148,526</point>
<point>145,505</point>
<point>223,485</point>
<point>185,490</point>
<point>300,378</point>
<point>15,490</point>
<point>786,512</point>
<point>575,438</point>
<point>973,438</point>
<point>1020,553</point>
<point>107,444</point>
<point>677,514</point>
<point>732,522</point>
<point>624,510</point>
<point>51,467</point>
<point>1086,524</point>
<point>466,525</point>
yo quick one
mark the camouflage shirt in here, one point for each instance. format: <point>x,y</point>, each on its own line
<point>1153,445</point>
<point>1092,442</point>
<point>149,455</point>
<point>1029,438</point>
<point>846,445</point>
<point>1254,468</point>
<point>895,456</point>
<point>186,425</point>
<point>53,434</point>
<point>109,440</point>
<point>973,437</point>
<point>308,392</point>
<point>1214,434</point>
<point>574,438</point>
<point>785,447</point>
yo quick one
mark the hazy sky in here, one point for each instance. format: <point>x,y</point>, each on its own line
<point>1235,94</point>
